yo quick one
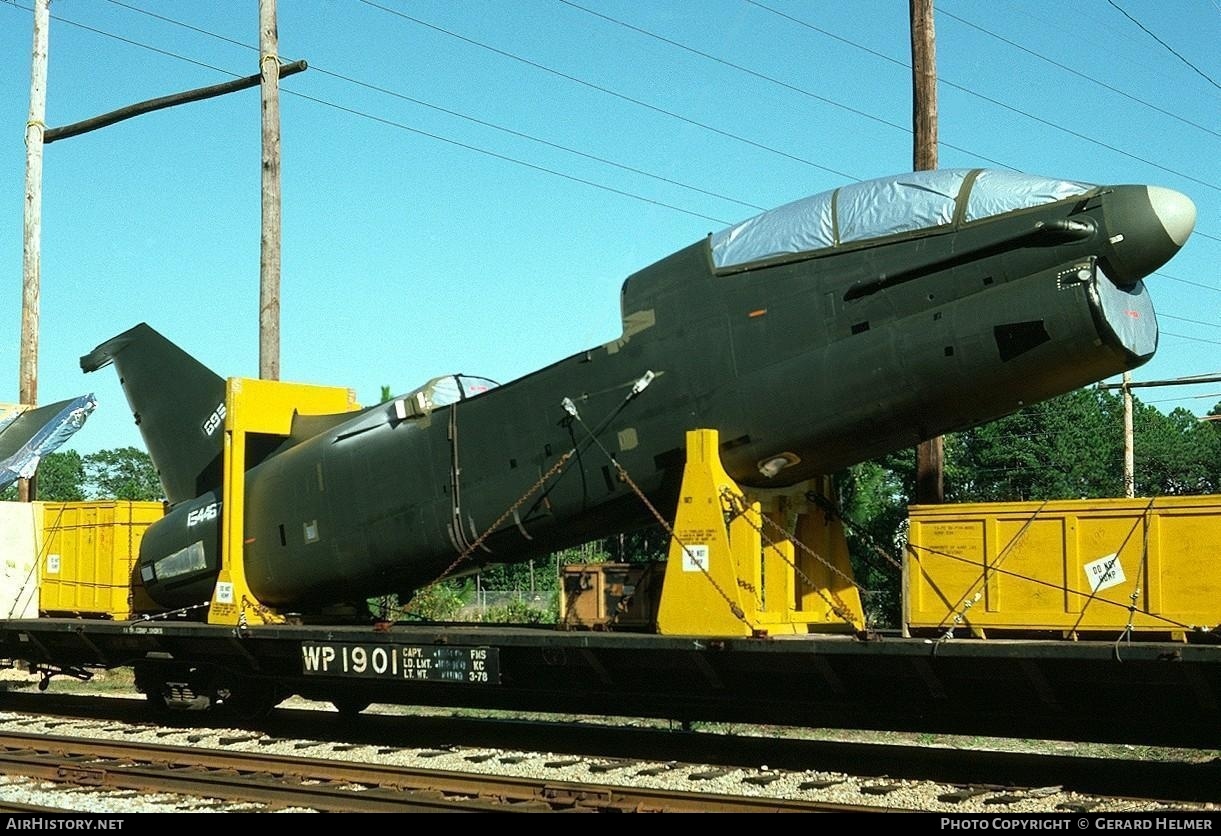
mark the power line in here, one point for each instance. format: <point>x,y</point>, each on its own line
<point>1194,380</point>
<point>1185,281</point>
<point>1192,321</point>
<point>457,114</point>
<point>610,92</point>
<point>508,130</point>
<point>401,126</point>
<point>1194,339</point>
<point>1187,398</point>
<point>1078,73</point>
<point>504,157</point>
<point>596,158</point>
<point>794,88</point>
<point>539,140</point>
<point>183,25</point>
<point>989,99</point>
<point>1163,43</point>
<point>150,48</point>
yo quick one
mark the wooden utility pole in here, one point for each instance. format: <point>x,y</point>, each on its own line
<point>269,257</point>
<point>930,482</point>
<point>37,135</point>
<point>1129,442</point>
<point>924,85</point>
<point>31,261</point>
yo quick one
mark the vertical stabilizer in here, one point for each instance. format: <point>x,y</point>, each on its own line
<point>178,404</point>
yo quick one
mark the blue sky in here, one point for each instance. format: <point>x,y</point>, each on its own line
<point>428,230</point>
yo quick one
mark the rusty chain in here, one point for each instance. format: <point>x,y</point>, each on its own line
<point>465,553</point>
<point>737,507</point>
<point>623,474</point>
<point>858,529</point>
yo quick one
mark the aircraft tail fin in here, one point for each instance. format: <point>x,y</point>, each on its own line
<point>178,404</point>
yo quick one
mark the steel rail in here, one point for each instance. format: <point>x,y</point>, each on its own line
<point>1189,776</point>
<point>342,786</point>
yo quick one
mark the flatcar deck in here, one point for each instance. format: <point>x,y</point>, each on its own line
<point>1156,693</point>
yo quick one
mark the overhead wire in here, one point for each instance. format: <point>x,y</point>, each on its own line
<point>129,41</point>
<point>1192,321</point>
<point>1186,398</point>
<point>1168,47</point>
<point>507,158</point>
<point>1185,281</point>
<point>941,12</point>
<point>613,93</point>
<point>708,56</point>
<point>401,126</point>
<point>609,92</point>
<point>771,79</point>
<point>467,117</point>
<point>1194,339</point>
<point>998,103</point>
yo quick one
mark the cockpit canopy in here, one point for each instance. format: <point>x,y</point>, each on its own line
<point>886,206</point>
<point>441,391</point>
<point>451,388</point>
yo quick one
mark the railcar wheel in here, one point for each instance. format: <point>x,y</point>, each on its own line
<point>171,688</point>
<point>350,706</point>
<point>249,699</point>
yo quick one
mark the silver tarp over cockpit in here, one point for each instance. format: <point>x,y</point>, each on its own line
<point>882,207</point>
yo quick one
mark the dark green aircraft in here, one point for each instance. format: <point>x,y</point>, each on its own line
<point>817,335</point>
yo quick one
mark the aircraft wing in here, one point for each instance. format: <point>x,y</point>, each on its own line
<point>25,437</point>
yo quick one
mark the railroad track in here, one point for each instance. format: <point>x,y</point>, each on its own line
<point>278,781</point>
<point>967,773</point>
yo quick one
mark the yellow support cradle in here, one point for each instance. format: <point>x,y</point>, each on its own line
<point>731,570</point>
<point>264,407</point>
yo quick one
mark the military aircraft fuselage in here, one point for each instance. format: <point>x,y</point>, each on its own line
<point>804,361</point>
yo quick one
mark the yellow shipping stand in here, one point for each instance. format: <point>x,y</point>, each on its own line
<point>745,576</point>
<point>262,407</point>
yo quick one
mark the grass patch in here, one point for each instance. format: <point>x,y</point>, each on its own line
<point>116,681</point>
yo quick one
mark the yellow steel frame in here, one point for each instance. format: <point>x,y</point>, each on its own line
<point>741,577</point>
<point>265,407</point>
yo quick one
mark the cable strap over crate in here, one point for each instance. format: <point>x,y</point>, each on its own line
<point>963,603</point>
<point>1170,622</point>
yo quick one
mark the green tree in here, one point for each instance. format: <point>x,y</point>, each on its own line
<point>61,477</point>
<point>873,499</point>
<point>1066,448</point>
<point>122,473</point>
<point>1210,442</point>
<point>1175,454</point>
<point>649,544</point>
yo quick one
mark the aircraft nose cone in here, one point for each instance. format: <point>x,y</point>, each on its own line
<point>1146,226</point>
<point>1175,211</point>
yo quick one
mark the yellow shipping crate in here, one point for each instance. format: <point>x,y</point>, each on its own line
<point>87,552</point>
<point>1071,566</point>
